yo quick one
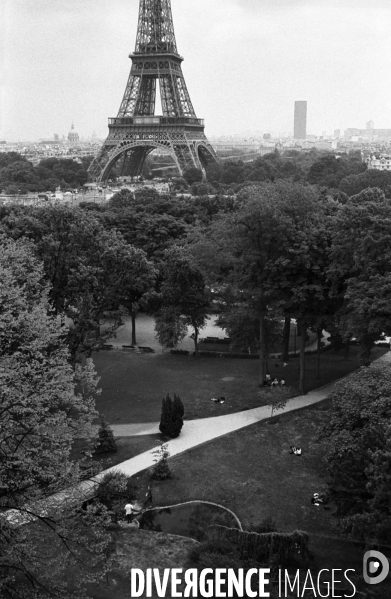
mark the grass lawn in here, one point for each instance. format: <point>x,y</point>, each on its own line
<point>133,384</point>
<point>141,549</point>
<point>252,473</point>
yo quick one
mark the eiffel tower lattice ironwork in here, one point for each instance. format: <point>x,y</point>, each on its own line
<point>136,131</point>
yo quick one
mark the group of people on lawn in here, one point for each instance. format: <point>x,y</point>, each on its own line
<point>273,382</point>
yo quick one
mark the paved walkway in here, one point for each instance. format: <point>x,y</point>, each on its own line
<point>196,432</point>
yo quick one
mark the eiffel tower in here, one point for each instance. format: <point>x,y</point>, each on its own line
<point>136,131</point>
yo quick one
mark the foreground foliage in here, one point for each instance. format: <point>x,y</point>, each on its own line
<point>359,453</point>
<point>40,414</point>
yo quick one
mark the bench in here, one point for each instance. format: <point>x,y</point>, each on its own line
<point>225,341</point>
<point>146,350</point>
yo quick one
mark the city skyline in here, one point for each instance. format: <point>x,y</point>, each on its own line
<point>64,63</point>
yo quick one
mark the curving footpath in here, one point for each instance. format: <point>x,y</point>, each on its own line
<point>196,432</point>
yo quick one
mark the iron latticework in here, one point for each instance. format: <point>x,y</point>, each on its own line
<point>136,131</point>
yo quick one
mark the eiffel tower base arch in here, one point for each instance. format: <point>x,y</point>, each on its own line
<point>186,150</point>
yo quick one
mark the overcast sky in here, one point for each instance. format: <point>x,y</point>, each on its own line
<point>246,62</point>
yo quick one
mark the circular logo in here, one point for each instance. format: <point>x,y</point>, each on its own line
<point>376,567</point>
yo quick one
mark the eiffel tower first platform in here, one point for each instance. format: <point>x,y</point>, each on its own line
<point>136,131</point>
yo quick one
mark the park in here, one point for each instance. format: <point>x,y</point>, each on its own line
<point>144,363</point>
<point>249,471</point>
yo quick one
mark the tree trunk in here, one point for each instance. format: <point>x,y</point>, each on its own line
<point>133,314</point>
<point>196,341</point>
<point>366,344</point>
<point>319,332</point>
<point>285,339</point>
<point>347,350</point>
<point>303,330</point>
<point>262,348</point>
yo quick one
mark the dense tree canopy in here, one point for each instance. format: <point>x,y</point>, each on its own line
<point>359,452</point>
<point>91,270</point>
<point>361,267</point>
<point>354,184</point>
<point>40,415</point>
<point>259,254</point>
<point>329,170</point>
<point>19,175</point>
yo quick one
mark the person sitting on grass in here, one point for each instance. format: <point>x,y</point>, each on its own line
<point>218,399</point>
<point>275,382</point>
<point>282,382</point>
<point>268,380</point>
<point>319,499</point>
<point>295,450</point>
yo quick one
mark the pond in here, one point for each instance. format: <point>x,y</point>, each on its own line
<point>190,519</point>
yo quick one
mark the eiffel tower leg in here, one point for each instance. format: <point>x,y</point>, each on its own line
<point>206,154</point>
<point>134,161</point>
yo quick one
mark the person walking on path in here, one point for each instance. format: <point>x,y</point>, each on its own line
<point>148,495</point>
<point>129,512</point>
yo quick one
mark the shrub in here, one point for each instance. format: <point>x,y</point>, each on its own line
<point>105,442</point>
<point>115,489</point>
<point>161,469</point>
<point>171,420</point>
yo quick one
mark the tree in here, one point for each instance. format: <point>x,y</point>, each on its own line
<point>40,415</point>
<point>105,442</point>
<point>354,184</point>
<point>121,200</point>
<point>360,268</point>
<point>161,470</point>
<point>213,172</point>
<point>260,252</point>
<point>16,171</point>
<point>277,398</point>
<point>202,189</point>
<point>358,452</point>
<point>171,421</point>
<point>91,270</point>
<point>232,172</point>
<point>193,175</point>
<point>241,321</point>
<point>183,292</point>
<point>116,488</point>
<point>170,326</point>
<point>329,169</point>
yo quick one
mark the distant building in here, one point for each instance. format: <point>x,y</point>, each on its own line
<point>367,132</point>
<point>300,121</point>
<point>73,137</point>
<point>370,125</point>
<point>337,132</point>
<point>56,138</point>
<point>380,162</point>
